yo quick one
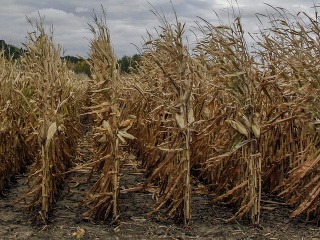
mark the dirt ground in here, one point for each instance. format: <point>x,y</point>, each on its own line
<point>208,220</point>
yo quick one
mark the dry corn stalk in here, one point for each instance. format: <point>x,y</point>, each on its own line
<point>14,153</point>
<point>111,130</point>
<point>291,52</point>
<point>163,133</point>
<point>54,115</point>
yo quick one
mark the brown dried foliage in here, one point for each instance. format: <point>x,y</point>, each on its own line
<point>111,128</point>
<point>244,123</point>
<point>51,99</point>
<point>254,117</point>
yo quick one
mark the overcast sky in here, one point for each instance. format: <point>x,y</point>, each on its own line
<point>128,20</point>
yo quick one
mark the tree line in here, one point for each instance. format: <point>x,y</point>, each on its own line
<point>126,64</point>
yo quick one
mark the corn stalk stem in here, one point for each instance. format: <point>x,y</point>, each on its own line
<point>186,164</point>
<point>115,144</point>
<point>255,185</point>
<point>115,179</point>
<point>45,181</point>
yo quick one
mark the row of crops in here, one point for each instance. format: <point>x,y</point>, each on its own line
<point>40,103</point>
<point>243,123</point>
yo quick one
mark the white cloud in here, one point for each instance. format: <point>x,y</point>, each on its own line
<point>70,30</point>
<point>128,20</point>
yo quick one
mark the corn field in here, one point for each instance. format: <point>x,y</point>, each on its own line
<point>244,123</point>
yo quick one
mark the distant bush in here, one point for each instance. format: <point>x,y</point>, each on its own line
<point>82,67</point>
<point>10,50</point>
<point>129,64</point>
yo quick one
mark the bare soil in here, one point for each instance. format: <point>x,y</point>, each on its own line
<point>208,219</point>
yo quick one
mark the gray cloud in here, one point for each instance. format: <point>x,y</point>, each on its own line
<point>127,20</point>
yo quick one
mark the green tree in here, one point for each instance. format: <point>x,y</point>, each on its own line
<point>10,50</point>
<point>128,64</point>
<point>82,67</point>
